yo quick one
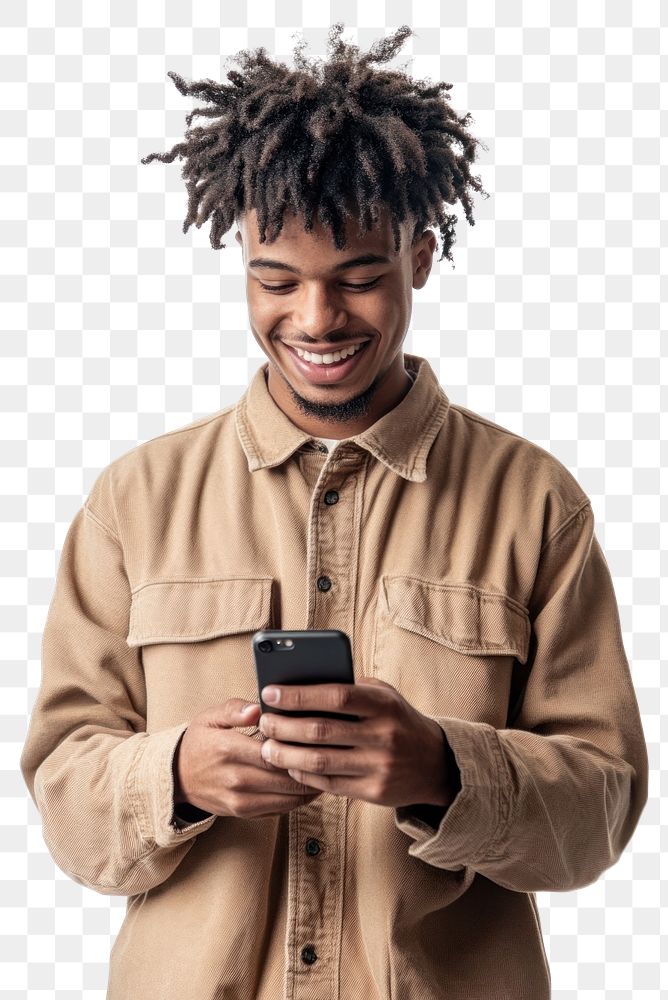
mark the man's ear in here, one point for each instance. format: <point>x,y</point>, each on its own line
<point>423,256</point>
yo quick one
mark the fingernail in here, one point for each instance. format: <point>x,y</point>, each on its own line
<point>247,709</point>
<point>271,695</point>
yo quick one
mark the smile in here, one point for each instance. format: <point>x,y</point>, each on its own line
<point>328,359</point>
<point>321,369</point>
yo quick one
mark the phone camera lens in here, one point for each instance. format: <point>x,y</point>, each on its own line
<point>265,646</point>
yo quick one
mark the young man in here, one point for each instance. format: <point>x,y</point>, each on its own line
<point>498,749</point>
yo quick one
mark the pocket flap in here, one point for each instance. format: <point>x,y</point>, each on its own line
<point>196,609</point>
<point>459,615</point>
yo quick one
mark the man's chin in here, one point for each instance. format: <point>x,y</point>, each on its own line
<point>343,411</point>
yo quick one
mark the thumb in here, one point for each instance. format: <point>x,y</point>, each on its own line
<point>235,712</point>
<point>248,710</point>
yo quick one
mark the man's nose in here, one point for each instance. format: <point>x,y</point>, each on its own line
<point>317,310</point>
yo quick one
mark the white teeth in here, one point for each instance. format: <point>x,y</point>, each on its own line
<point>329,359</point>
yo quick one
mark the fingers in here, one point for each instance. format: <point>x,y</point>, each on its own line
<point>258,780</point>
<point>243,757</point>
<point>361,699</point>
<point>335,733</point>
<point>316,760</point>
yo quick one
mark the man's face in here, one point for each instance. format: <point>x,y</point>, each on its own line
<point>304,293</point>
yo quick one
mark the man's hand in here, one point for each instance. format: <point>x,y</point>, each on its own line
<point>221,771</point>
<point>394,756</point>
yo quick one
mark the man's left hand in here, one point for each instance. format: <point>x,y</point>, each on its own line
<point>393,756</point>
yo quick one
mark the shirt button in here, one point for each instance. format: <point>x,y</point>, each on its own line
<point>331,496</point>
<point>308,954</point>
<point>324,583</point>
<point>312,846</point>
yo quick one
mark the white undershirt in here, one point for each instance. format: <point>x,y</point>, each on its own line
<point>331,442</point>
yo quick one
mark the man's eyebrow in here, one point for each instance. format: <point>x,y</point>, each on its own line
<point>366,258</point>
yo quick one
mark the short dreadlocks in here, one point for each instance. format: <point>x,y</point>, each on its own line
<point>337,139</point>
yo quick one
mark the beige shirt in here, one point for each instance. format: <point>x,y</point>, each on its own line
<point>461,560</point>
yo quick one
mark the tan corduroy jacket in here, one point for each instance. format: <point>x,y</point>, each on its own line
<point>461,560</point>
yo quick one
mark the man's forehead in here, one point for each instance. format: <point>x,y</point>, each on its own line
<point>377,242</point>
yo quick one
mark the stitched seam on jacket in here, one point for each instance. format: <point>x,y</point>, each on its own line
<point>133,794</point>
<point>198,581</point>
<point>96,519</point>
<point>485,594</point>
<point>565,524</point>
<point>503,779</point>
<point>459,645</point>
<point>517,645</point>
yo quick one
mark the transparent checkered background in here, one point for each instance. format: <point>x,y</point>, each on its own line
<point>115,327</point>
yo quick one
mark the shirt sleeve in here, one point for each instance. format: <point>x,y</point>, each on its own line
<point>103,786</point>
<point>552,802</point>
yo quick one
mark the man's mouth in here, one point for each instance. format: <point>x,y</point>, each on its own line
<point>325,367</point>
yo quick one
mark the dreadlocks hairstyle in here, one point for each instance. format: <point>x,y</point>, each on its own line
<point>336,139</point>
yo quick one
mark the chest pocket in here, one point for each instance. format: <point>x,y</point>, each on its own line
<point>194,637</point>
<point>449,646</point>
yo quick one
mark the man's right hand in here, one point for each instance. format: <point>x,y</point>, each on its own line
<point>223,772</point>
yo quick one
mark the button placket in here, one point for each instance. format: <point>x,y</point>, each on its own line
<point>334,543</point>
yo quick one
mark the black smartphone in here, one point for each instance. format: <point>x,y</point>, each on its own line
<point>303,656</point>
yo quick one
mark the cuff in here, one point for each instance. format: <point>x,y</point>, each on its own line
<point>470,824</point>
<point>185,814</point>
<point>151,785</point>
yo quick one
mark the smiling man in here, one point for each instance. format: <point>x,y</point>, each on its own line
<point>309,303</point>
<point>494,746</point>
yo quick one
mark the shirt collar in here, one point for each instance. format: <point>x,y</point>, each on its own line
<point>401,438</point>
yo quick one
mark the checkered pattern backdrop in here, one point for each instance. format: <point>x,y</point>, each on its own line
<point>115,327</point>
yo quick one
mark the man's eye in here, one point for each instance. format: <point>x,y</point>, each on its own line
<point>283,288</point>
